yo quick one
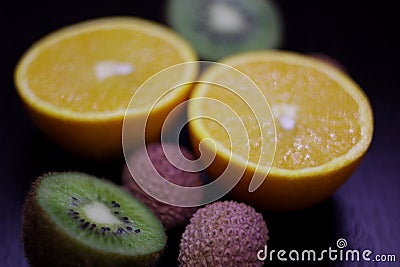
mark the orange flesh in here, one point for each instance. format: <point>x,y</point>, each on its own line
<point>325,118</point>
<point>64,73</point>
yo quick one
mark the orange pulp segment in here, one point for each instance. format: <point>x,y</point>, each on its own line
<point>323,124</point>
<point>77,82</point>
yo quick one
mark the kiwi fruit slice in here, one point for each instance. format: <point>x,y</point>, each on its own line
<point>75,219</point>
<point>218,28</point>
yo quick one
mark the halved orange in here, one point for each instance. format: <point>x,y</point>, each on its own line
<point>323,127</point>
<point>77,82</point>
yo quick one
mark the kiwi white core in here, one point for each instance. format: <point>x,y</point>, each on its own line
<point>225,18</point>
<point>100,213</point>
<point>106,69</point>
<point>286,115</point>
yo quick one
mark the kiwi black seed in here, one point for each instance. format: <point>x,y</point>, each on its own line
<point>70,219</point>
<point>218,28</point>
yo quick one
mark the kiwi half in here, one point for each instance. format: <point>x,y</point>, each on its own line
<point>74,219</point>
<point>218,28</point>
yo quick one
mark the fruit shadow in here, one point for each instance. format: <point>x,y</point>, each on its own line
<point>314,228</point>
<point>40,155</point>
<point>170,255</point>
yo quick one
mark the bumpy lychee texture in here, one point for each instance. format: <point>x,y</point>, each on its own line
<point>223,234</point>
<point>171,216</point>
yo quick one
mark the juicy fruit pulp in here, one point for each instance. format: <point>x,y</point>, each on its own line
<point>98,71</point>
<point>322,119</point>
<point>74,218</point>
<point>311,128</point>
<point>78,81</point>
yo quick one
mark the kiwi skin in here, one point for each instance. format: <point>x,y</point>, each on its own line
<point>45,244</point>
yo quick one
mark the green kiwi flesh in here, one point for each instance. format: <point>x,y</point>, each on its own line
<point>75,219</point>
<point>218,28</point>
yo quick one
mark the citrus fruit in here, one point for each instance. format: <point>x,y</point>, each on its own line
<point>320,127</point>
<point>77,82</point>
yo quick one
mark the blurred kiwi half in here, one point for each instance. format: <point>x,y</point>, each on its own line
<point>218,28</point>
<point>75,219</point>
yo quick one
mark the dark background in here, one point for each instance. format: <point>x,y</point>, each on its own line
<point>362,35</point>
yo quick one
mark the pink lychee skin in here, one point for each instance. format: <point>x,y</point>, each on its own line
<point>170,216</point>
<point>223,234</point>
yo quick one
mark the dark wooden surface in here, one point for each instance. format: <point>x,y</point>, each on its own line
<point>359,34</point>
